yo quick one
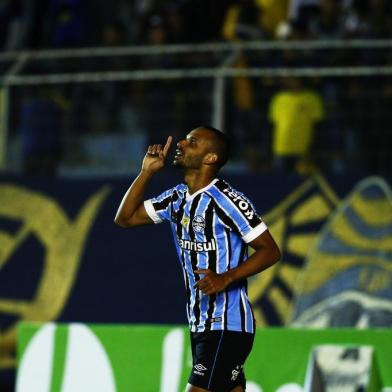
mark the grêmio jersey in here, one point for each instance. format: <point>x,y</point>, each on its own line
<point>211,229</point>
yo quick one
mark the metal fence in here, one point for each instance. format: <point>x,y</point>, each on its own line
<point>93,111</point>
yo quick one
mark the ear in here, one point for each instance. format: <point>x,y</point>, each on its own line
<point>211,158</point>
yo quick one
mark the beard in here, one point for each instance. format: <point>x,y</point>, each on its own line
<point>188,162</point>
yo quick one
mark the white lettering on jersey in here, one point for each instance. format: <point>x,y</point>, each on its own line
<point>197,246</point>
<point>240,202</point>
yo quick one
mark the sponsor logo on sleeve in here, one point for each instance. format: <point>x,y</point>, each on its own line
<point>240,202</point>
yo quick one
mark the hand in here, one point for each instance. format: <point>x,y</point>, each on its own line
<point>212,282</point>
<point>155,157</point>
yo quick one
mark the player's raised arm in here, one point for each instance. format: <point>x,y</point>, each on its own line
<point>131,211</point>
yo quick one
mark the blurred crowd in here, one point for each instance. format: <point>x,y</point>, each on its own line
<point>37,24</point>
<point>284,124</point>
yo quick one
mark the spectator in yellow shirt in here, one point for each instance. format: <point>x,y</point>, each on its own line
<point>294,112</point>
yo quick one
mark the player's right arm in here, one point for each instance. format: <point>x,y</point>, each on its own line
<point>131,211</point>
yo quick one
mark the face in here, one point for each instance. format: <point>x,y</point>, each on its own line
<point>191,151</point>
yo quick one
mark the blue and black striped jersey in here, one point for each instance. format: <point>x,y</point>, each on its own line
<point>211,229</point>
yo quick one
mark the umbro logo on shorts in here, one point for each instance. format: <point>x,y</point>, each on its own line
<point>199,369</point>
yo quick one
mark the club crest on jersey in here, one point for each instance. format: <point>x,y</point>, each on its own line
<point>198,223</point>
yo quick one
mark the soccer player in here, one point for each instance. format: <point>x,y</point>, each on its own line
<point>213,225</point>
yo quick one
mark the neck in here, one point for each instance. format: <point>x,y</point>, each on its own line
<point>197,180</point>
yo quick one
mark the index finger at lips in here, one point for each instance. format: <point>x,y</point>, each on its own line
<point>167,145</point>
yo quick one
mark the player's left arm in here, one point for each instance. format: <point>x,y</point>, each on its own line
<point>266,254</point>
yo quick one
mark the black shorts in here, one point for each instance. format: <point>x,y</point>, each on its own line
<point>218,359</point>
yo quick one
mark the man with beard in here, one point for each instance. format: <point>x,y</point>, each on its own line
<point>213,225</point>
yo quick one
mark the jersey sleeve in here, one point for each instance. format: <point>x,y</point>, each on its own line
<point>241,214</point>
<point>158,208</point>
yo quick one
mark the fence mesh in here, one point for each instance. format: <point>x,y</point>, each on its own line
<point>95,111</point>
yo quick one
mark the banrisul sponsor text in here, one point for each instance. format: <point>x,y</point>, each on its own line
<point>196,245</point>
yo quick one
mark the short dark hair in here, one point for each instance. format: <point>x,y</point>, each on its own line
<point>222,144</point>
